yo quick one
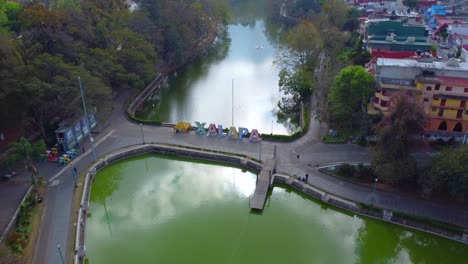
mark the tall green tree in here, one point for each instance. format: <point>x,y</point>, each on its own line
<point>349,96</point>
<point>23,150</point>
<point>297,83</point>
<point>300,46</point>
<point>392,160</point>
<point>448,171</point>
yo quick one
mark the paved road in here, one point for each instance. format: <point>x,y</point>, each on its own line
<point>57,229</point>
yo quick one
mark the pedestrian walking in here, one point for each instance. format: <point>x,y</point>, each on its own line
<point>307,177</point>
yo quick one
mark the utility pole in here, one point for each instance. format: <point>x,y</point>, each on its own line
<point>87,119</point>
<point>142,135</point>
<point>60,253</point>
<point>232,101</point>
<point>74,173</point>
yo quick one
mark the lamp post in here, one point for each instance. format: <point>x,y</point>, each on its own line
<point>232,102</point>
<point>142,135</point>
<point>87,119</point>
<point>60,253</point>
<point>260,151</point>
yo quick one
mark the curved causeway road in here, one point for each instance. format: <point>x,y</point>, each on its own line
<point>57,229</point>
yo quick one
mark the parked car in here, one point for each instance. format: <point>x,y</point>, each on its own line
<point>8,175</point>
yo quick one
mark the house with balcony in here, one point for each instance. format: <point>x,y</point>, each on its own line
<point>441,89</point>
<point>444,101</point>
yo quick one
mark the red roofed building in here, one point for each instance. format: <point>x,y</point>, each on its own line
<point>365,2</point>
<point>426,3</point>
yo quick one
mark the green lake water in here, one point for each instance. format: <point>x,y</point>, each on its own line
<point>151,209</point>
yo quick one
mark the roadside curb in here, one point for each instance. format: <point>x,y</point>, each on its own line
<point>15,215</point>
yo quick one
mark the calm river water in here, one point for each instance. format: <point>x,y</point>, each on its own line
<point>203,90</point>
<point>151,209</point>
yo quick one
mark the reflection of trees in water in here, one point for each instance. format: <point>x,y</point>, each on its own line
<point>197,70</point>
<point>247,12</point>
<point>102,188</point>
<point>378,242</point>
<point>180,82</point>
<point>104,185</point>
<point>288,113</point>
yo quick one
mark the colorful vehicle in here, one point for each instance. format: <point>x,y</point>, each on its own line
<point>182,126</point>
<point>50,156</point>
<point>64,159</point>
<point>72,153</point>
<point>54,151</point>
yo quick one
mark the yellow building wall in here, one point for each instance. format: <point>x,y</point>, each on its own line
<point>420,86</point>
<point>452,102</point>
<point>450,113</point>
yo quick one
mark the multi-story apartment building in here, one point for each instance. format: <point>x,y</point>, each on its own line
<point>441,88</point>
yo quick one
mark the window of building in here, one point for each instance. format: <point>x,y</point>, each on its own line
<point>448,88</point>
<point>443,126</point>
<point>428,88</point>
<point>435,99</point>
<point>426,99</point>
<point>466,112</point>
<point>442,103</point>
<point>441,112</point>
<point>376,100</point>
<point>458,127</point>
<point>462,104</point>
<point>459,113</point>
<point>384,103</point>
<point>437,87</point>
<point>384,92</point>
<point>435,109</point>
<point>466,90</point>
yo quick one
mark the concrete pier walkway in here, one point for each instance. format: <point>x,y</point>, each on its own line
<point>263,184</point>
